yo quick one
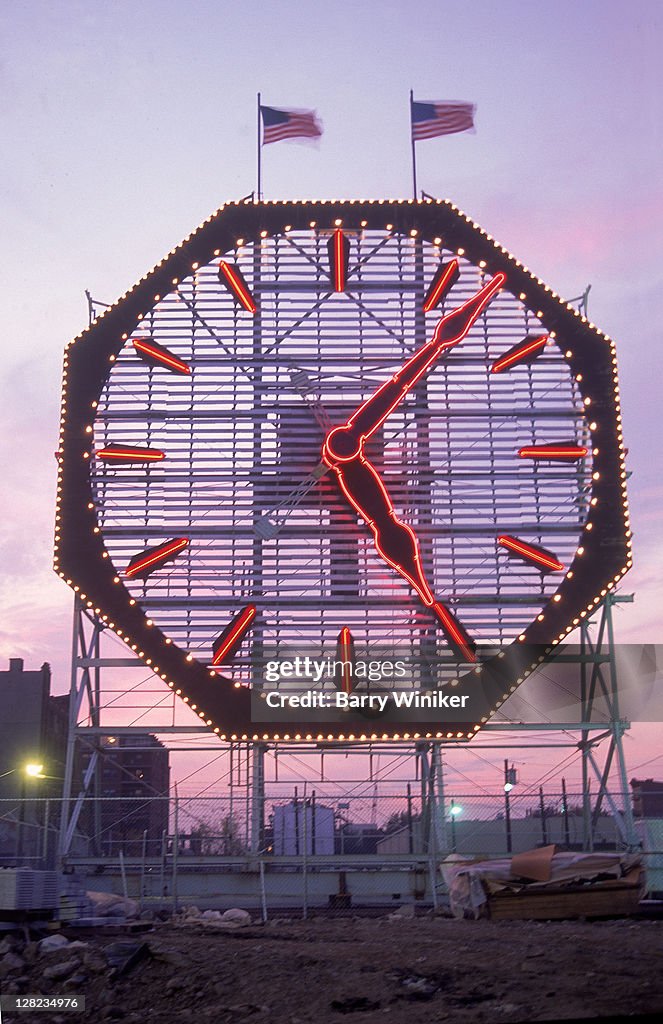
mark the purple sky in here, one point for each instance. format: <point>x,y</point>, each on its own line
<point>124,125</point>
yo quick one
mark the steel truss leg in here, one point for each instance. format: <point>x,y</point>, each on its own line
<point>602,683</point>
<point>84,684</point>
<point>433,816</point>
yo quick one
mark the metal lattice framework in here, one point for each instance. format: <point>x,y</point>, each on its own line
<point>242,436</point>
<point>242,478</point>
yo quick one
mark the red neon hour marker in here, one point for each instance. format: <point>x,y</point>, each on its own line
<point>553,451</point>
<point>458,638</point>
<point>537,556</point>
<point>338,248</point>
<point>228,642</point>
<point>445,278</point>
<point>525,350</point>
<point>345,654</point>
<point>152,353</point>
<point>147,561</point>
<point>129,454</point>
<point>231,276</point>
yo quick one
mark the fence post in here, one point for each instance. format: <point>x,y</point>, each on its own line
<point>544,824</point>
<point>176,847</point>
<point>565,811</point>
<point>432,863</point>
<point>162,872</point>
<point>305,859</point>
<point>142,871</point>
<point>47,825</point>
<point>263,892</point>
<point>125,891</point>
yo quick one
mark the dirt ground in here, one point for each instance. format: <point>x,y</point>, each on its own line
<point>407,971</point>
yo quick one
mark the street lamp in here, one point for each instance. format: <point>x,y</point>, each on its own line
<point>32,770</point>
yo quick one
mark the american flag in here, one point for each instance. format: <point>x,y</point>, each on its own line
<point>289,124</point>
<point>430,118</point>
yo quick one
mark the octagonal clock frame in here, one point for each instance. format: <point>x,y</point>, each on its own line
<point>86,559</point>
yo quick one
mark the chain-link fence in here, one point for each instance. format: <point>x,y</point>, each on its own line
<point>303,851</point>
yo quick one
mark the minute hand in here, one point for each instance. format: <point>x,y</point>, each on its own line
<point>347,440</point>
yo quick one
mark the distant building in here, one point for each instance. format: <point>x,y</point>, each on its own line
<point>128,799</point>
<point>133,787</point>
<point>477,837</point>
<point>358,837</point>
<point>647,798</point>
<point>303,826</point>
<point>33,731</point>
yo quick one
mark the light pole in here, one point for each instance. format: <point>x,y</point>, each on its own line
<point>454,810</point>
<point>342,821</point>
<point>510,779</point>
<point>31,770</point>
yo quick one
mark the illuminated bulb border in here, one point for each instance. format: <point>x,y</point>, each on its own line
<point>497,249</point>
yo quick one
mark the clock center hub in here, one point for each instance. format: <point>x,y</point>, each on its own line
<point>341,445</point>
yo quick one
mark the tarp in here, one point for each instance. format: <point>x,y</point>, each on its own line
<point>471,883</point>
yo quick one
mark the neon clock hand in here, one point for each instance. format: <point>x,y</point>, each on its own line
<point>343,451</point>
<point>396,542</point>
<point>365,420</point>
<point>345,442</point>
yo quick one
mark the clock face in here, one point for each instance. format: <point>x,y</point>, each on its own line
<point>317,425</point>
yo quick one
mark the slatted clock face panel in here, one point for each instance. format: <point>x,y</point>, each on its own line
<point>242,432</point>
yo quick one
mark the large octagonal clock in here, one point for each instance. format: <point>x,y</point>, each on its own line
<point>355,429</point>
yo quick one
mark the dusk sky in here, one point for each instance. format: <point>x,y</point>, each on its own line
<point>124,125</point>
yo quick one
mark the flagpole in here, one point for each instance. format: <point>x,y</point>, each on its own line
<point>259,155</point>
<point>414,151</point>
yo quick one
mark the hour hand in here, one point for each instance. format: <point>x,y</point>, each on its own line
<point>397,543</point>
<point>346,441</point>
